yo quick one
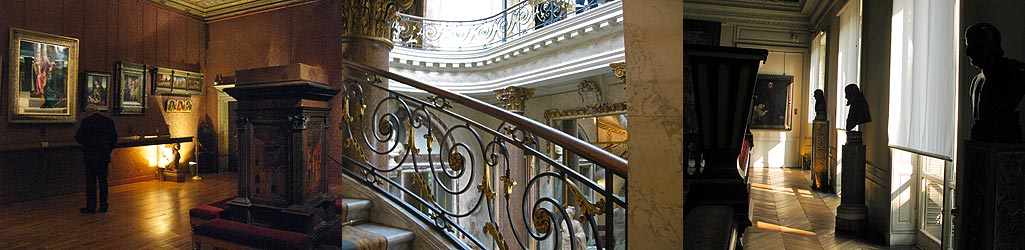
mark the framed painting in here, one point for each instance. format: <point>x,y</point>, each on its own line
<point>177,82</point>
<point>131,88</point>
<point>772,107</point>
<point>95,89</point>
<point>43,73</point>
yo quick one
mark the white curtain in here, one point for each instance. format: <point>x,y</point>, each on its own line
<point>923,76</point>
<point>849,58</point>
<point>818,72</point>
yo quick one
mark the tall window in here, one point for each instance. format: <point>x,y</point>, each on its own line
<point>818,72</point>
<point>849,57</point>
<point>923,77</point>
<point>923,104</point>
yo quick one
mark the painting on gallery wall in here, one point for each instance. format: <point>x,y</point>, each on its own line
<point>95,90</point>
<point>177,82</point>
<point>43,77</point>
<point>772,107</point>
<point>131,88</point>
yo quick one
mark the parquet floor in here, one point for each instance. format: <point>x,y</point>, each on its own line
<point>788,215</point>
<point>142,215</point>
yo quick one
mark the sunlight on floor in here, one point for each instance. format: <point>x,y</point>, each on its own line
<point>774,227</point>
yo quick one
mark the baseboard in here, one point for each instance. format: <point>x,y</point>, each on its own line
<point>128,180</point>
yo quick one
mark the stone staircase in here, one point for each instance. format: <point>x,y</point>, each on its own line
<point>367,210</point>
<point>360,232</point>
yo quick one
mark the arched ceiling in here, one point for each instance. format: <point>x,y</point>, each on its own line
<point>209,10</point>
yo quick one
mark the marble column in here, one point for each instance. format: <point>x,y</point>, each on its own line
<point>653,40</point>
<point>514,176</point>
<point>366,39</point>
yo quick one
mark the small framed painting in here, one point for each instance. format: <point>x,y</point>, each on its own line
<point>131,88</point>
<point>95,90</point>
<point>772,107</point>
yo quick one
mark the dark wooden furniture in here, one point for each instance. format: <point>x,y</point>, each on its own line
<point>722,80</point>
<point>282,126</point>
<point>990,202</point>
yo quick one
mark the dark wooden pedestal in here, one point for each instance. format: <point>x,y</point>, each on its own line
<point>282,143</point>
<point>991,196</point>
<point>852,214</point>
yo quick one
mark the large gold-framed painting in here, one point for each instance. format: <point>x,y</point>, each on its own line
<point>43,77</point>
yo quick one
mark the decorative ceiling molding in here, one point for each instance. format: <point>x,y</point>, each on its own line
<point>211,10</point>
<point>797,25</point>
<point>787,5</point>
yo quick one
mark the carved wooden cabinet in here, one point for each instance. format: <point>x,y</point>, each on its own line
<point>990,202</point>
<point>282,143</point>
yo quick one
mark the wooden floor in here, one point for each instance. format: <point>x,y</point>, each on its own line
<point>154,215</point>
<point>143,215</point>
<point>788,215</point>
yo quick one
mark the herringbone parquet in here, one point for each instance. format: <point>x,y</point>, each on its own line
<point>788,215</point>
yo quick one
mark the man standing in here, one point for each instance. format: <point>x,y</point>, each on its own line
<point>98,137</point>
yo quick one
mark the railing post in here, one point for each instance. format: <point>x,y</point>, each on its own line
<point>515,175</point>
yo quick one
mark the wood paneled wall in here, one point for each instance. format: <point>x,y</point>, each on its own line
<point>307,33</point>
<point>108,31</point>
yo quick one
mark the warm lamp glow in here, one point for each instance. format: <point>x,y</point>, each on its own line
<point>165,154</point>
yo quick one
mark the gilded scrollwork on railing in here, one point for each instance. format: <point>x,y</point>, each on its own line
<point>490,229</point>
<point>455,171</point>
<point>428,34</point>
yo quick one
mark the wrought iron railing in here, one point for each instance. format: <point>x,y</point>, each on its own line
<point>428,34</point>
<point>455,176</point>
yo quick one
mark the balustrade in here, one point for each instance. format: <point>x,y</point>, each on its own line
<point>451,170</point>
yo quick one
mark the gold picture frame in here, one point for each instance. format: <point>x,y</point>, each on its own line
<point>131,88</point>
<point>43,73</point>
<point>177,82</point>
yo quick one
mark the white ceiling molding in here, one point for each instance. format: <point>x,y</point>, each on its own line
<point>553,67</point>
<point>758,4</point>
<point>751,17</point>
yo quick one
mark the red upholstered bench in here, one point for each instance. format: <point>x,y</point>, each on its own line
<point>226,234</point>
<point>204,213</point>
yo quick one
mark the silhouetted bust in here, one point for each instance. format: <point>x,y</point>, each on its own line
<point>820,105</point>
<point>997,90</point>
<point>858,113</point>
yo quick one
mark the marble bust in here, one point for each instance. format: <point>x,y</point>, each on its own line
<point>858,113</point>
<point>820,105</point>
<point>997,90</point>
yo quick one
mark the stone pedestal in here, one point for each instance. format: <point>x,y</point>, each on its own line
<point>283,126</point>
<point>820,156</point>
<point>852,214</point>
<point>991,196</point>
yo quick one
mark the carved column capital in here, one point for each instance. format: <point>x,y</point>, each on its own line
<point>513,98</point>
<point>619,69</point>
<point>371,19</point>
<point>298,121</point>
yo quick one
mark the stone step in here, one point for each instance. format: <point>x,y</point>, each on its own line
<point>352,210</point>
<point>363,235</point>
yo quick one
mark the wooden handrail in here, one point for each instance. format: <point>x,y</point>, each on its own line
<point>586,150</point>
